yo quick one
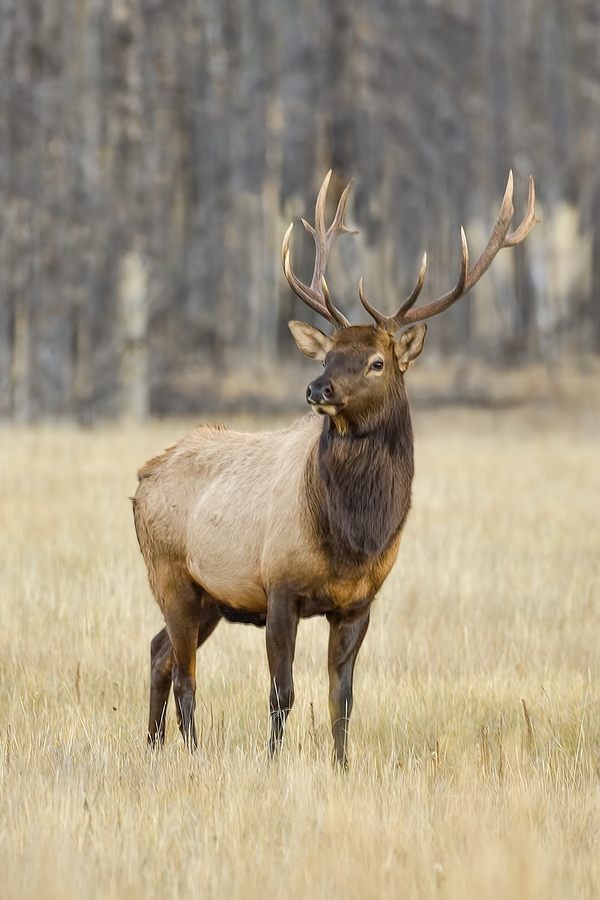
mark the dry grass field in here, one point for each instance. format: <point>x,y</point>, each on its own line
<point>475,741</point>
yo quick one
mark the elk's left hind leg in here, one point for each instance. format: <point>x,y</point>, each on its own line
<point>345,639</point>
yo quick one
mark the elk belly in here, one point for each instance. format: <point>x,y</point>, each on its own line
<point>237,588</point>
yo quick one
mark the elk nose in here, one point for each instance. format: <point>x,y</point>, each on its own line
<point>320,391</point>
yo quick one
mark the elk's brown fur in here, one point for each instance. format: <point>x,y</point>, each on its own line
<point>270,528</point>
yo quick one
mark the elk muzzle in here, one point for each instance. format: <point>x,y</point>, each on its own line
<point>320,394</point>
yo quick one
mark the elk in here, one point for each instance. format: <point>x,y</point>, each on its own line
<point>270,528</point>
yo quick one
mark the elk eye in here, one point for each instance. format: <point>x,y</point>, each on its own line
<point>378,364</point>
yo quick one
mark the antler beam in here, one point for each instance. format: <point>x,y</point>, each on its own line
<point>467,278</point>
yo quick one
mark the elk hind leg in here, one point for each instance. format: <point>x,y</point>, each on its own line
<point>161,666</point>
<point>191,615</point>
<point>161,669</point>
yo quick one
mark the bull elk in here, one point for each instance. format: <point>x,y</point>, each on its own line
<point>275,527</point>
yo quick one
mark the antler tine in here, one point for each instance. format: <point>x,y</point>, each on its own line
<point>382,321</point>
<point>319,233</point>
<point>339,319</point>
<point>390,323</point>
<point>528,222</point>
<point>337,226</point>
<point>415,294</point>
<point>317,296</point>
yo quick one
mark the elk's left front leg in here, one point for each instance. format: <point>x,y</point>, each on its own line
<point>282,625</point>
<point>345,639</point>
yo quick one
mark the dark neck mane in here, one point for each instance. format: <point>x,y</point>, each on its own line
<point>360,491</point>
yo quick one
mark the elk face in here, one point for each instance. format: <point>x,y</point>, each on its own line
<point>363,365</point>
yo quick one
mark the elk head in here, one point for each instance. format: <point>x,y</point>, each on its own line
<point>363,362</point>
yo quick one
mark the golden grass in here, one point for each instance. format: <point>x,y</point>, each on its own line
<point>475,741</point>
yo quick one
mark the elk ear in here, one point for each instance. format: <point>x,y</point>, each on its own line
<point>409,345</point>
<point>312,342</point>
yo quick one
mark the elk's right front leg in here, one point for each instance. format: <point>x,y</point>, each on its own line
<point>282,625</point>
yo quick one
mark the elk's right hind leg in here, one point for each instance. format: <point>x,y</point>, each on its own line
<point>206,618</point>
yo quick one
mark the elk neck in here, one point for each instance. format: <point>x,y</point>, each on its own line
<point>359,483</point>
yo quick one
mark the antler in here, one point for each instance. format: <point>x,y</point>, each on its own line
<point>317,295</point>
<point>467,278</point>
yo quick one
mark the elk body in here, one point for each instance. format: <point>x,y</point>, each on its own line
<point>270,528</point>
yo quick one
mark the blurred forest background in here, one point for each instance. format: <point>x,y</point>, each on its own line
<point>152,154</point>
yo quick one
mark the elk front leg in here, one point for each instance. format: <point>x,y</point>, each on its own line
<point>345,639</point>
<point>282,625</point>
